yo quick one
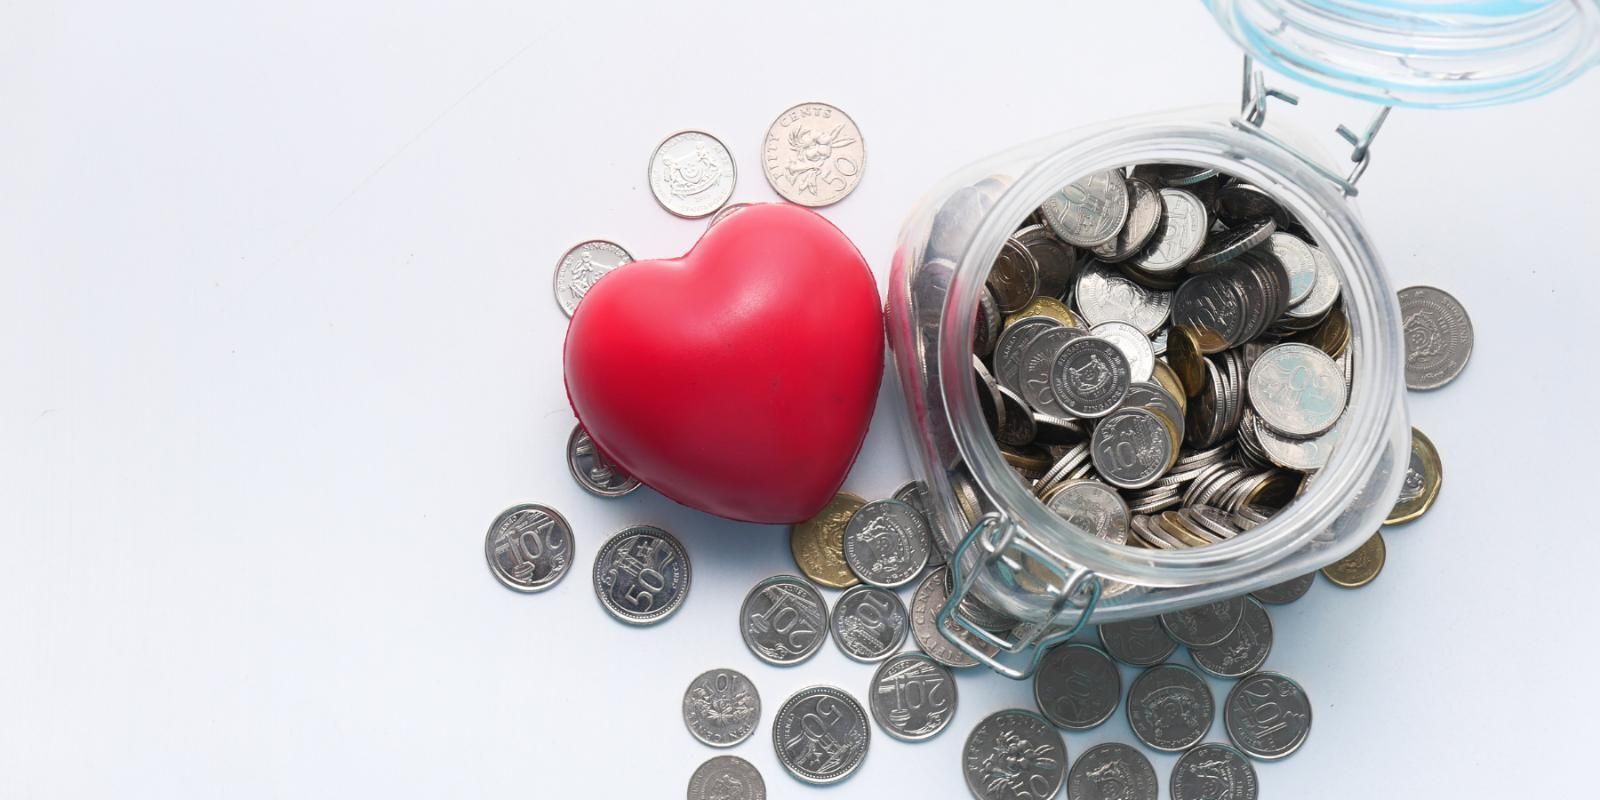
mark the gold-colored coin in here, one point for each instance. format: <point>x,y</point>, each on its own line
<point>1332,336</point>
<point>1176,525</point>
<point>1275,489</point>
<point>818,543</point>
<point>1047,307</point>
<point>1033,461</point>
<point>1424,477</point>
<point>1168,379</point>
<point>1184,356</point>
<point>1359,568</point>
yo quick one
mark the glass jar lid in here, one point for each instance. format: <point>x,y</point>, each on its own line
<point>1424,53</point>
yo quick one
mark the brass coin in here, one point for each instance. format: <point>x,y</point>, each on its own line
<point>1042,306</point>
<point>1178,527</point>
<point>1184,356</point>
<point>1032,460</point>
<point>1276,489</point>
<point>1332,336</point>
<point>818,543</point>
<point>1359,568</point>
<point>1168,379</point>
<point>1424,477</point>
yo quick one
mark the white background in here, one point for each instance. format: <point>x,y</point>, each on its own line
<point>277,342</point>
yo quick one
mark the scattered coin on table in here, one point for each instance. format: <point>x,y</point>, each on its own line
<point>813,155</point>
<point>1213,771</point>
<point>590,468</point>
<point>1360,567</point>
<point>1170,707</point>
<point>818,543</point>
<point>1076,686</point>
<point>912,697</point>
<point>727,778</point>
<point>1245,650</point>
<point>1207,625</point>
<point>581,266</point>
<point>692,174</point>
<point>929,598</point>
<point>1014,754</point>
<point>641,575</point>
<point>529,547</point>
<point>1114,771</point>
<point>1137,642</point>
<point>915,494</point>
<point>1420,487</point>
<point>869,624</point>
<point>721,707</point>
<point>886,543</point>
<point>821,735</point>
<point>1267,715</point>
<point>1438,336</point>
<point>1287,592</point>
<point>784,620</point>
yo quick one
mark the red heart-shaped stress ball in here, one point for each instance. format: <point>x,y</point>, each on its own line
<point>739,379</point>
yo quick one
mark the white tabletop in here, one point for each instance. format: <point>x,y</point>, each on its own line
<point>277,342</point>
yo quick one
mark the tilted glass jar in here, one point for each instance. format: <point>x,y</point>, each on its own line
<point>1024,577</point>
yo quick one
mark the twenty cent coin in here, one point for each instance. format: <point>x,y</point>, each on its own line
<point>1014,754</point>
<point>913,697</point>
<point>582,266</point>
<point>813,155</point>
<point>869,624</point>
<point>641,575</point>
<point>821,735</point>
<point>818,543</point>
<point>529,547</point>
<point>1113,771</point>
<point>783,620</point>
<point>721,708</point>
<point>1267,715</point>
<point>1077,686</point>
<point>692,174</point>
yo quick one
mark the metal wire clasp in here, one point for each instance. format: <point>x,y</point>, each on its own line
<point>999,539</point>
<point>1253,116</point>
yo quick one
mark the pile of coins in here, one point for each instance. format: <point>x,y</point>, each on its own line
<point>812,155</point>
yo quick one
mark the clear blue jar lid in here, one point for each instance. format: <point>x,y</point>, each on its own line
<point>1424,53</point>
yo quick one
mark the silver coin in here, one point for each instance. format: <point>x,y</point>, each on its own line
<point>1014,755</point>
<point>1133,343</point>
<point>784,620</point>
<point>1033,373</point>
<point>692,174</point>
<point>1094,508</point>
<point>1287,592</point>
<point>1267,715</point>
<point>1014,277</point>
<point>1104,294</point>
<point>721,707</point>
<point>1211,772</point>
<point>821,734</point>
<point>886,543</point>
<point>1077,686</point>
<point>1089,377</point>
<point>593,471</point>
<point>1438,336</point>
<point>1139,642</point>
<point>1297,390</point>
<point>1057,260</point>
<point>727,778</point>
<point>1299,261</point>
<point>1215,308</point>
<point>813,155</point>
<point>926,602</point>
<point>1170,707</point>
<point>1180,235</point>
<point>725,212</point>
<point>1113,771</point>
<point>1184,174</point>
<point>1305,455</point>
<point>529,547</point>
<point>1017,427</point>
<point>1244,651</point>
<point>916,495</point>
<point>1132,447</point>
<point>1009,349</point>
<point>1324,290</point>
<point>986,329</point>
<point>1205,625</point>
<point>642,575</point>
<point>1090,210</point>
<point>1241,202</point>
<point>1144,218</point>
<point>581,267</point>
<point>1225,246</point>
<point>913,697</point>
<point>869,624</point>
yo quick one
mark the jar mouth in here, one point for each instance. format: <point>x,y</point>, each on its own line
<point>1422,53</point>
<point>1370,306</point>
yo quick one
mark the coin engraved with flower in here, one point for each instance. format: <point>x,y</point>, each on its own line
<point>813,154</point>
<point>721,707</point>
<point>1012,755</point>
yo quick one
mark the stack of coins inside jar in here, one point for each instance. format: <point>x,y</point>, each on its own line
<point>1162,355</point>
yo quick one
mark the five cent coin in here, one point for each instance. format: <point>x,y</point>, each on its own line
<point>1113,771</point>
<point>692,174</point>
<point>1213,771</point>
<point>727,778</point>
<point>1438,336</point>
<point>582,266</point>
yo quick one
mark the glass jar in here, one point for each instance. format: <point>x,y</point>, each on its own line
<point>1024,577</point>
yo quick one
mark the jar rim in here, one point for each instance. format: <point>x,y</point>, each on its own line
<point>1370,303</point>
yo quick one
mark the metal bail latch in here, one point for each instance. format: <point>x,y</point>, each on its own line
<point>998,539</point>
<point>1254,117</point>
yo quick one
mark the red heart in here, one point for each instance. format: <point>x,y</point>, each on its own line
<point>739,379</point>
